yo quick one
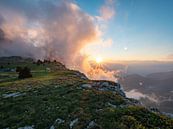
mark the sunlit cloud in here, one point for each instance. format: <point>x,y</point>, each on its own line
<point>170,57</point>
<point>138,95</point>
<point>60,35</point>
<point>57,30</point>
<point>107,11</point>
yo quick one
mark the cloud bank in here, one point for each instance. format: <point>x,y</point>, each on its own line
<point>55,30</point>
<point>51,29</point>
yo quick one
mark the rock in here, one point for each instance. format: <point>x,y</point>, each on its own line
<point>86,86</point>
<point>52,127</point>
<point>168,114</point>
<point>99,110</point>
<point>105,86</point>
<point>27,127</point>
<point>57,121</point>
<point>112,105</point>
<point>121,92</point>
<point>133,102</point>
<point>93,125</point>
<point>56,86</point>
<point>12,95</point>
<point>123,106</point>
<point>154,109</point>
<point>108,86</point>
<point>48,69</point>
<point>80,75</point>
<point>72,123</point>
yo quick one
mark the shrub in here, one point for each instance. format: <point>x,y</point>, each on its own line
<point>25,73</point>
<point>39,62</point>
<point>18,69</point>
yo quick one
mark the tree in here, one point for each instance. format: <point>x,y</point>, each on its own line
<point>25,73</point>
<point>39,62</point>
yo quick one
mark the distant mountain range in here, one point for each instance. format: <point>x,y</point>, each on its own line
<point>155,86</point>
<point>161,75</point>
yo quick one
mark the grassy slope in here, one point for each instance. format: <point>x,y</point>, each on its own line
<point>51,95</point>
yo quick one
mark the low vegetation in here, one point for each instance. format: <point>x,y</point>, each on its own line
<point>24,73</point>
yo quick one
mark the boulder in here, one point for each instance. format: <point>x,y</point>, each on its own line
<point>73,122</point>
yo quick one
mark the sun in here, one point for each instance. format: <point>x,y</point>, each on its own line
<point>99,60</point>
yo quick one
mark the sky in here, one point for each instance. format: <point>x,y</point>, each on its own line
<point>80,32</point>
<point>68,29</point>
<point>139,29</point>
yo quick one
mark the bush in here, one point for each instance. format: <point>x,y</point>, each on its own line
<point>47,61</point>
<point>25,73</point>
<point>18,69</point>
<point>39,62</point>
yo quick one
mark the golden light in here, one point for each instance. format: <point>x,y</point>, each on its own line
<point>99,60</point>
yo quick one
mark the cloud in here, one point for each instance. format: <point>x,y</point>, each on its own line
<point>98,71</point>
<point>138,95</point>
<point>107,43</point>
<point>45,29</point>
<point>54,29</point>
<point>107,11</point>
<point>170,57</point>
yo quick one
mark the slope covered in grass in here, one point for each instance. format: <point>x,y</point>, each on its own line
<point>66,99</point>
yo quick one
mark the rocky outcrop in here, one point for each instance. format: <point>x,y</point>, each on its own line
<point>73,122</point>
<point>27,127</point>
<point>93,125</point>
<point>79,75</point>
<point>103,85</point>
<point>58,121</point>
<point>12,95</point>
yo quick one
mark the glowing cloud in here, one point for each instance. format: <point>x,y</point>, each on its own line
<point>55,31</point>
<point>138,95</point>
<point>107,11</point>
<point>51,30</point>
